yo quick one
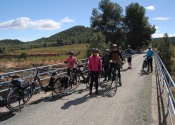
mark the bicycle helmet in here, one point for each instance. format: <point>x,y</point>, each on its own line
<point>149,47</point>
<point>71,52</point>
<point>114,45</point>
<point>95,50</point>
<point>107,50</point>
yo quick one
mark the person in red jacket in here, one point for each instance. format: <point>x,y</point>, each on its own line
<point>71,62</point>
<point>95,67</point>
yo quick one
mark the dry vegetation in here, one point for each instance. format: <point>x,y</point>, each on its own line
<point>11,64</point>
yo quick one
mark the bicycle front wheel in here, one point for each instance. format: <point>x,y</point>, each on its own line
<point>144,68</point>
<point>88,81</point>
<point>15,99</point>
<point>75,82</point>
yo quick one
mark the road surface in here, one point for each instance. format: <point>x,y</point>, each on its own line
<point>130,104</point>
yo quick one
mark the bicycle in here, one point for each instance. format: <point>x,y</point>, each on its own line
<point>115,82</point>
<point>145,64</point>
<point>74,79</point>
<point>21,90</point>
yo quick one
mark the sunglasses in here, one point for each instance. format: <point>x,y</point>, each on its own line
<point>95,52</point>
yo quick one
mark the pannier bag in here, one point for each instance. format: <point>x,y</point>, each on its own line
<point>52,79</point>
<point>20,83</point>
<point>64,81</point>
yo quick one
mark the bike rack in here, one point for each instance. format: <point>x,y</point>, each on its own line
<point>165,81</point>
<point>29,73</point>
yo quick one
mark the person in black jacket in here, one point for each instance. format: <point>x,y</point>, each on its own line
<point>105,63</point>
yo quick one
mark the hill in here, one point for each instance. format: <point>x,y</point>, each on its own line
<point>74,35</point>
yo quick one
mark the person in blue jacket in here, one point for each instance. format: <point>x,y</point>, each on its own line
<point>149,55</point>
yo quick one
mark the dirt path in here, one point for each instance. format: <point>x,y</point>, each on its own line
<point>130,105</point>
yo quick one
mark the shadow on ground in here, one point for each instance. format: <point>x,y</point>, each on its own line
<point>106,91</point>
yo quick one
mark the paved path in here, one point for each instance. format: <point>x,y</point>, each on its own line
<point>130,104</point>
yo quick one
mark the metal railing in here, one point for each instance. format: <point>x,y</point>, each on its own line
<point>5,80</point>
<point>166,83</point>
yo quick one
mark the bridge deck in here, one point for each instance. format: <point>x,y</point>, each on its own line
<point>132,104</point>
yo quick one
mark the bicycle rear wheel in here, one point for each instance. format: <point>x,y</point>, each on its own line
<point>115,83</point>
<point>16,99</point>
<point>57,87</point>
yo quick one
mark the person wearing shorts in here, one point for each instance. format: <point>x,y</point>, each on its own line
<point>129,53</point>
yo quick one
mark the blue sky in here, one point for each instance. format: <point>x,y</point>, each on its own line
<point>29,20</point>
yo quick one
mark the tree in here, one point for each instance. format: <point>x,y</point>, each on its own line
<point>1,51</point>
<point>108,20</point>
<point>166,51</point>
<point>97,41</point>
<point>139,30</point>
<point>23,55</point>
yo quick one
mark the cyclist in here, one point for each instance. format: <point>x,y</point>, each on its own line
<point>95,67</point>
<point>114,56</point>
<point>149,56</point>
<point>105,63</point>
<point>129,53</point>
<point>71,62</point>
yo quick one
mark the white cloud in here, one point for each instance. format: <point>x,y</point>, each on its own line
<point>65,20</point>
<point>25,23</point>
<point>156,27</point>
<point>161,18</point>
<point>157,35</point>
<point>150,8</point>
<point>158,31</point>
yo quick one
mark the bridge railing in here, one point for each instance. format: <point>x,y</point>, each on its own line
<point>165,83</point>
<point>5,80</point>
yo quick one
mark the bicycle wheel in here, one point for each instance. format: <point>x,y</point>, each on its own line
<point>115,83</point>
<point>75,82</point>
<point>88,81</point>
<point>144,67</point>
<point>57,87</point>
<point>99,77</point>
<point>15,99</point>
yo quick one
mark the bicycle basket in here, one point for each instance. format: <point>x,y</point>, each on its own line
<point>20,83</point>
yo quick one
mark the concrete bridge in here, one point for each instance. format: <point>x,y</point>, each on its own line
<point>137,102</point>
